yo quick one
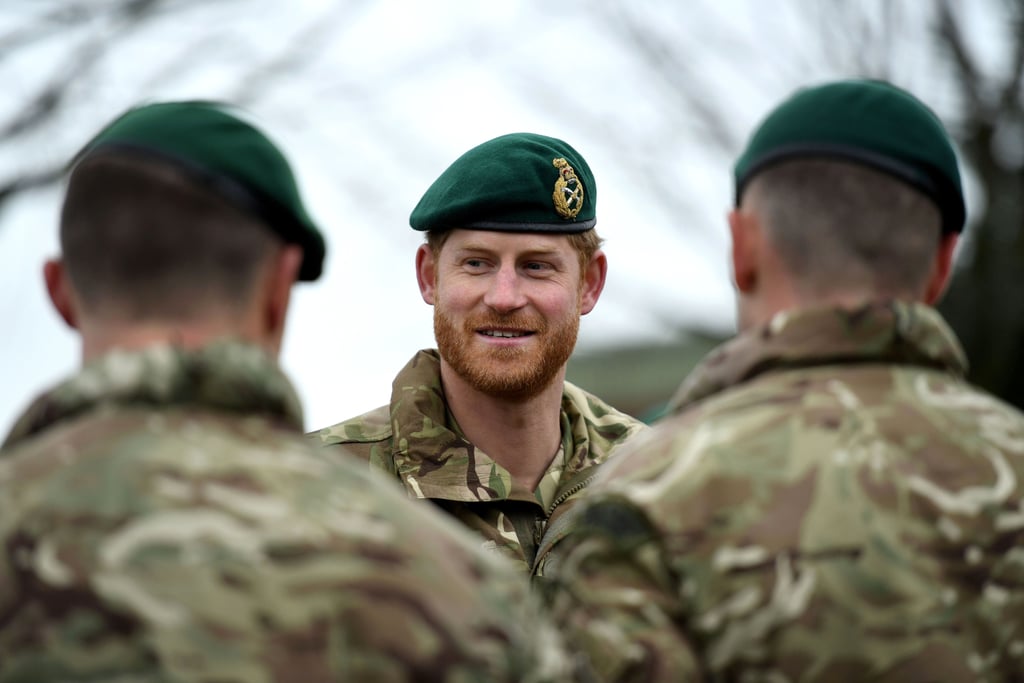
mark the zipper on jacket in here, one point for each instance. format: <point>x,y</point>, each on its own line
<point>569,493</point>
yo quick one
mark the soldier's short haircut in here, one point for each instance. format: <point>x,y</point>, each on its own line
<point>840,226</point>
<point>143,240</point>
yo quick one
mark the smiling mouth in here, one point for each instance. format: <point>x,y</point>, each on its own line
<point>505,334</point>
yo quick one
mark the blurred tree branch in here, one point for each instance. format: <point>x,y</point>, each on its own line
<point>43,107</point>
<point>985,302</point>
<point>127,16</point>
<point>106,26</point>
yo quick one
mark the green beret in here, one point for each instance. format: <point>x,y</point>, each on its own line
<point>522,182</point>
<point>228,155</point>
<point>863,121</point>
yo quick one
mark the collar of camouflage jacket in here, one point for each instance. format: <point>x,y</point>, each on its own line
<point>435,460</point>
<point>225,376</point>
<point>892,332</point>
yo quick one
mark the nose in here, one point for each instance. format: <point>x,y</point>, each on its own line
<point>505,292</point>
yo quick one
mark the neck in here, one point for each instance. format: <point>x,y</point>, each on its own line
<point>761,315</point>
<point>522,436</point>
<point>100,339</point>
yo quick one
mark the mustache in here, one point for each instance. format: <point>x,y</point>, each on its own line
<point>515,321</point>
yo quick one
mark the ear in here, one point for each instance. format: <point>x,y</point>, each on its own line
<point>426,271</point>
<point>58,286</point>
<point>941,269</point>
<point>592,282</point>
<point>746,237</point>
<point>284,272</point>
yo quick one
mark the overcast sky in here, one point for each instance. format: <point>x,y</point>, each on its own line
<point>384,96</point>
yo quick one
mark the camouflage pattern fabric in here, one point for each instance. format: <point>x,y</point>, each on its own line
<point>416,439</point>
<point>162,518</point>
<point>830,502</point>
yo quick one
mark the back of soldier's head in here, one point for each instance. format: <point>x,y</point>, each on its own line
<point>172,211</point>
<point>839,227</point>
<point>855,183</point>
<point>143,241</point>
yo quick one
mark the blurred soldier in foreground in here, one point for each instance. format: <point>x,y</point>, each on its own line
<point>830,501</point>
<point>162,517</point>
<point>486,425</point>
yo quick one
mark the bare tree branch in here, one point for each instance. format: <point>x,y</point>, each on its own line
<point>669,63</point>
<point>951,37</point>
<point>124,17</point>
<point>1013,89</point>
<point>29,181</point>
<point>45,103</point>
<point>48,24</point>
<point>298,51</point>
<point>129,16</point>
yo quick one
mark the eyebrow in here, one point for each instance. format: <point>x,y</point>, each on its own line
<point>530,251</point>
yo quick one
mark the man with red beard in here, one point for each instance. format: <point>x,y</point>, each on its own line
<point>486,426</point>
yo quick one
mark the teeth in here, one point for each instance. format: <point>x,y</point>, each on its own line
<point>500,333</point>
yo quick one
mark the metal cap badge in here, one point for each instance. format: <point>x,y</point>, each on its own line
<point>568,194</point>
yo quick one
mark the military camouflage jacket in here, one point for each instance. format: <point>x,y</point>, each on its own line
<point>830,502</point>
<point>416,439</point>
<point>162,518</point>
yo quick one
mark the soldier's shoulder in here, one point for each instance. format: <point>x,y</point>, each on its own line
<point>266,509</point>
<point>370,427</point>
<point>597,411</point>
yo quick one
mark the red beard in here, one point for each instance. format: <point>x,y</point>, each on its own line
<point>510,372</point>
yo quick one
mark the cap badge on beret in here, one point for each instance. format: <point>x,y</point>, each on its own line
<point>568,194</point>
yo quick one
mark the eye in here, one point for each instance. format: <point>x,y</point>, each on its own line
<point>540,265</point>
<point>474,264</point>
<point>537,266</point>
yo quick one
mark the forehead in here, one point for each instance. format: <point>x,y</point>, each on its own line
<point>507,242</point>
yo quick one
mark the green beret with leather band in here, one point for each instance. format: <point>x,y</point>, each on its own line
<point>521,182</point>
<point>228,155</point>
<point>862,121</point>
